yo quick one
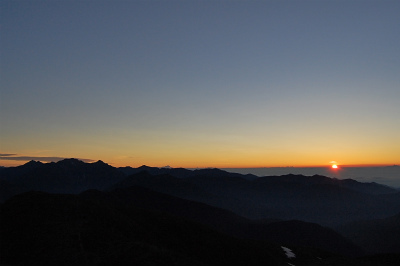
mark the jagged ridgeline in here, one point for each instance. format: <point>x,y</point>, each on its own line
<point>71,212</point>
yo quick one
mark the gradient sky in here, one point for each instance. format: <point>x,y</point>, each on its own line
<point>201,83</point>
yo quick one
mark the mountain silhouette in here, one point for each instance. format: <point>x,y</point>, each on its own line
<point>316,199</point>
<point>289,210</point>
<point>311,198</point>
<point>65,176</point>
<point>184,173</point>
<point>177,172</point>
<point>188,189</point>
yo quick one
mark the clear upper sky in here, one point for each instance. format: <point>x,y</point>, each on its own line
<point>201,83</point>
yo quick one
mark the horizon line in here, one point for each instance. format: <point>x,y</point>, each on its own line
<point>208,167</point>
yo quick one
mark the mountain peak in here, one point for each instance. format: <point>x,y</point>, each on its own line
<point>70,161</point>
<point>145,167</point>
<point>33,163</point>
<point>100,162</point>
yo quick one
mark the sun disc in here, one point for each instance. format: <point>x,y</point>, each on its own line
<point>334,166</point>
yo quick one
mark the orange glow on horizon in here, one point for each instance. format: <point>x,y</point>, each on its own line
<point>116,163</point>
<point>222,159</point>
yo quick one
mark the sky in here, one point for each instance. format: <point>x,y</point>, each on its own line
<point>201,83</point>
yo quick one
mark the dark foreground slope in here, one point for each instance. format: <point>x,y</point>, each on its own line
<point>375,236</point>
<point>293,233</point>
<point>95,229</point>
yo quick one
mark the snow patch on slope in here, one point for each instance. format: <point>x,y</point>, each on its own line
<point>289,253</point>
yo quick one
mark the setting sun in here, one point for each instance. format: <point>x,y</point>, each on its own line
<point>334,166</point>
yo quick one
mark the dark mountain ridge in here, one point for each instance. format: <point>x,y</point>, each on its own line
<point>317,199</point>
<point>314,199</point>
<point>73,166</point>
<point>184,173</point>
<point>237,200</point>
<point>65,176</point>
<point>369,188</point>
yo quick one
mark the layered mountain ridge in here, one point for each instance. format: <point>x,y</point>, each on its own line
<point>291,210</point>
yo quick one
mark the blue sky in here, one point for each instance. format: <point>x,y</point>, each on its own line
<point>201,83</point>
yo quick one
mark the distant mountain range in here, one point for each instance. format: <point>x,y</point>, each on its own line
<point>66,176</point>
<point>387,175</point>
<point>94,207</point>
<point>316,198</point>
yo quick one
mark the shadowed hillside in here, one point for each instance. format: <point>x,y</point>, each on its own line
<point>375,236</point>
<point>315,199</point>
<point>95,229</point>
<point>286,210</point>
<point>286,233</point>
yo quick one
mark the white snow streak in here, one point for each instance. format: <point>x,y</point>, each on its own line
<point>289,253</point>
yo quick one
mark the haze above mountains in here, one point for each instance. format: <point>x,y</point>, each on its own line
<point>316,216</point>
